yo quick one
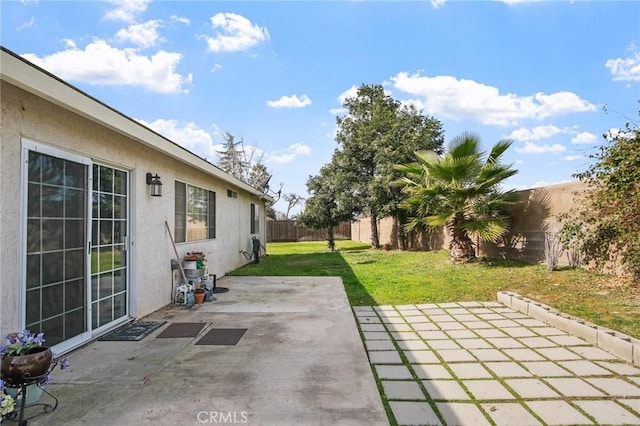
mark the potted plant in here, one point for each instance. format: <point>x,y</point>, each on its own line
<point>7,403</point>
<point>25,358</point>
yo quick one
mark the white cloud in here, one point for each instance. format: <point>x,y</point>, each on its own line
<point>438,3</point>
<point>573,157</point>
<point>535,133</point>
<point>290,102</point>
<point>625,69</point>
<point>614,133</point>
<point>532,148</point>
<point>584,137</point>
<point>127,10</point>
<point>417,103</point>
<point>216,67</point>
<point>467,99</point>
<point>351,92</point>
<point>180,19</point>
<point>144,34</point>
<point>100,63</point>
<point>519,1</point>
<point>291,153</point>
<point>338,111</point>
<point>189,136</point>
<point>26,25</point>
<point>234,33</point>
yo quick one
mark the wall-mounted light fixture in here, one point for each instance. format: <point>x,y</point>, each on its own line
<point>155,186</point>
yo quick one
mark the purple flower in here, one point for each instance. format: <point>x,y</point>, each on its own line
<point>64,364</point>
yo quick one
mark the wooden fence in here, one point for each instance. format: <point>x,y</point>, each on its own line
<point>291,230</point>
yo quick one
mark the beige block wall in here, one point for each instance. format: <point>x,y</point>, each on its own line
<point>533,217</point>
<point>27,116</point>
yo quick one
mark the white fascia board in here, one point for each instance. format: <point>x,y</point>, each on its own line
<point>27,76</point>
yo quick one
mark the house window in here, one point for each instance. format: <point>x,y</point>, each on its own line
<point>255,219</point>
<point>195,213</point>
<point>232,194</point>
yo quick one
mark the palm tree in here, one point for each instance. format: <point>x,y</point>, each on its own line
<point>461,191</point>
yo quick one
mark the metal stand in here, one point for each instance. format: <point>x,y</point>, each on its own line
<point>22,384</point>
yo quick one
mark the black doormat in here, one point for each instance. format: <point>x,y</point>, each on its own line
<point>222,336</point>
<point>181,329</point>
<point>133,331</point>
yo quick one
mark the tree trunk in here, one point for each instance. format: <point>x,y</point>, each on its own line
<point>375,238</point>
<point>461,247</point>
<point>402,233</point>
<point>330,239</point>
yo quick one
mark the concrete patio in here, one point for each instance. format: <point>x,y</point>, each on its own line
<point>301,361</point>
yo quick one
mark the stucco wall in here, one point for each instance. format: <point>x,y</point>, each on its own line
<point>25,115</point>
<point>536,214</point>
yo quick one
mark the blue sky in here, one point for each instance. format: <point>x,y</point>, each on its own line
<point>275,73</point>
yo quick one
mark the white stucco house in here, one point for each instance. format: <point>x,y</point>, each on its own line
<point>83,243</point>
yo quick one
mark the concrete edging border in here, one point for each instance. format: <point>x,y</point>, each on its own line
<point>621,345</point>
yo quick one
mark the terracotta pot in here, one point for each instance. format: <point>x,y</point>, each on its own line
<point>199,295</point>
<point>17,368</point>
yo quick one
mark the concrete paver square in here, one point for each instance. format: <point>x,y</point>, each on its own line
<point>509,414</point>
<point>489,355</point>
<point>550,331</point>
<point>424,326</point>
<point>523,355</point>
<point>415,345</point>
<point>503,323</point>
<point>411,312</point>
<point>519,332</point>
<point>384,357</point>
<point>530,322</point>
<point>568,341</point>
<point>393,320</point>
<point>433,335</point>
<point>448,305</point>
<point>615,386</point>
<point>558,412</point>
<point>379,345</point>
<point>490,317</point>
<point>515,315</point>
<point>364,314</point>
<point>635,380</point>
<point>478,324</point>
<point>507,369</point>
<point>490,332</point>
<point>414,413</point>
<point>621,368</point>
<point>421,357</point>
<point>465,317</point>
<point>455,355</point>
<point>391,313</point>
<point>538,342</point>
<point>459,413</point>
<point>431,371</point>
<point>451,325</point>
<point>593,353</point>
<point>531,388</point>
<point>461,334</point>
<point>457,311</point>
<point>574,387</point>
<point>398,327</point>
<point>402,389</point>
<point>558,354</point>
<point>369,320</point>
<point>393,372</point>
<point>634,404</point>
<point>432,310</point>
<point>448,390</point>
<point>474,344</point>
<point>505,342</point>
<point>470,304</point>
<point>546,369</point>
<point>372,327</point>
<point>608,412</point>
<point>376,335</point>
<point>405,335</point>
<point>585,368</point>
<point>415,320</point>
<point>441,318</point>
<point>385,308</point>
<point>481,310</point>
<point>487,390</point>
<point>469,371</point>
<point>444,344</point>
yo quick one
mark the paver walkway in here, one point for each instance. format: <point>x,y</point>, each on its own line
<point>483,363</point>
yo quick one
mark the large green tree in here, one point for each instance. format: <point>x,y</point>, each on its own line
<point>329,203</point>
<point>459,190</point>
<point>610,216</point>
<point>377,132</point>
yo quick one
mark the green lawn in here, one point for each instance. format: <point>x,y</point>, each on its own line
<point>374,277</point>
